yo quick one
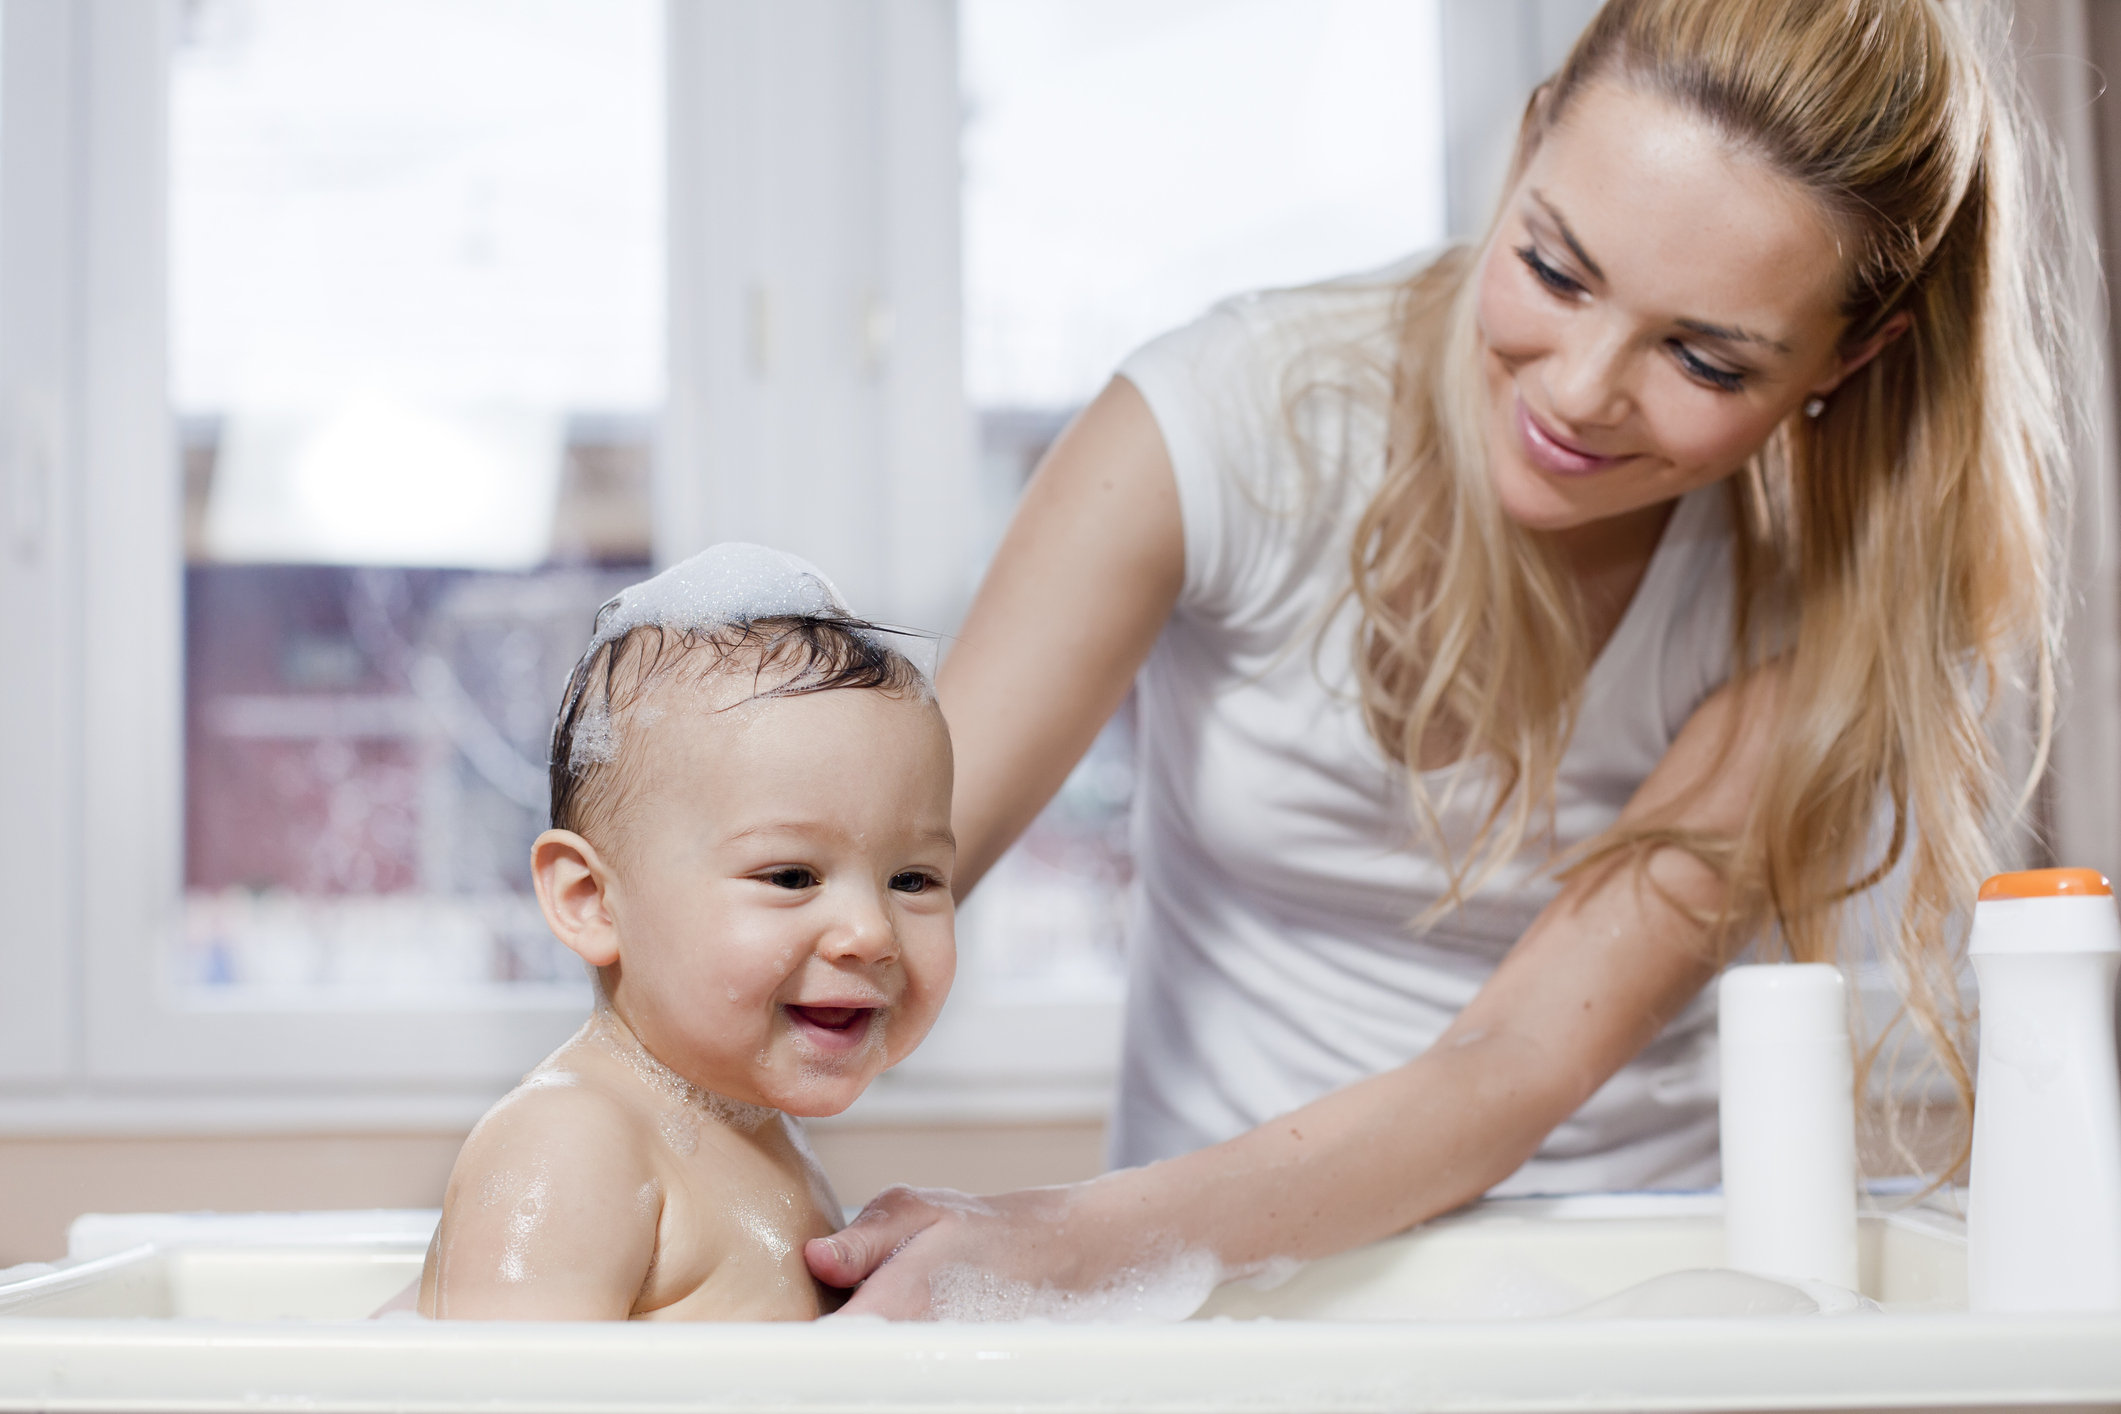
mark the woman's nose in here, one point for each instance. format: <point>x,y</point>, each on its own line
<point>1587,378</point>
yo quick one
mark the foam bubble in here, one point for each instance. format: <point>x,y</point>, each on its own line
<point>688,1105</point>
<point>1266,1275</point>
<point>1719,1292</point>
<point>734,582</point>
<point>596,740</point>
<point>723,584</point>
<point>1165,1289</point>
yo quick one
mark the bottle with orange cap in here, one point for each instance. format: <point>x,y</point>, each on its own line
<point>2044,1206</point>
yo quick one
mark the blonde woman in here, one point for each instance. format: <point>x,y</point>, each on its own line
<point>1518,635</point>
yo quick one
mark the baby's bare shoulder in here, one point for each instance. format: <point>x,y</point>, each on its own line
<point>552,1208</point>
<point>580,1122</point>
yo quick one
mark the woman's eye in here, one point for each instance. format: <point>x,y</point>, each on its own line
<point>792,878</point>
<point>913,881</point>
<point>1723,378</point>
<point>1547,275</point>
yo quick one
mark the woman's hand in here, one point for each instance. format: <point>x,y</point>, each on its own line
<point>1057,1253</point>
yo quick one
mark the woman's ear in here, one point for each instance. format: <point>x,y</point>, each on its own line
<point>1860,354</point>
<point>574,887</point>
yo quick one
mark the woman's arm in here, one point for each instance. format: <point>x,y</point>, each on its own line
<point>1079,591</point>
<point>1596,977</point>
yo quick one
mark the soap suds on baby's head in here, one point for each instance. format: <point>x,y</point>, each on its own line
<point>732,609</point>
<point>724,584</point>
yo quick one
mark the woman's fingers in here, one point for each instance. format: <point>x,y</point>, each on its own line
<point>884,1225</point>
<point>898,1292</point>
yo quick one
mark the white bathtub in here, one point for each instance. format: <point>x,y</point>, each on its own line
<point>205,1312</point>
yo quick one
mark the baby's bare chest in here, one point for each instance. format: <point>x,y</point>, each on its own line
<point>729,1243</point>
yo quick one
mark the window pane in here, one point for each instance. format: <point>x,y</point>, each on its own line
<point>416,288</point>
<point>1128,163</point>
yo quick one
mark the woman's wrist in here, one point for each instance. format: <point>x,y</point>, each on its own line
<point>1165,1209</point>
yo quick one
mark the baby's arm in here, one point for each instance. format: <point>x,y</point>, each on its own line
<point>551,1213</point>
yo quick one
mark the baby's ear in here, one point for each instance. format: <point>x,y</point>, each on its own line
<point>572,882</point>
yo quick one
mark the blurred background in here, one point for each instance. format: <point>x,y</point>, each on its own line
<point>354,351</point>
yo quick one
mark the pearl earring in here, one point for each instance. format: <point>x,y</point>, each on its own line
<point>1814,406</point>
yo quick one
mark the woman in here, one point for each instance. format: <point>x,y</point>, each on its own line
<point>1521,634</point>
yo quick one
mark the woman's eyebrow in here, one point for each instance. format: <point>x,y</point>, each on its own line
<point>1569,237</point>
<point>1730,335</point>
<point>1725,332</point>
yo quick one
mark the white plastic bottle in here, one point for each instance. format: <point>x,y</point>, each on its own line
<point>1788,1118</point>
<point>2044,1211</point>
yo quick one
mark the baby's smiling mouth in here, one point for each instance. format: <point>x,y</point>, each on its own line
<point>832,1018</point>
<point>832,1029</point>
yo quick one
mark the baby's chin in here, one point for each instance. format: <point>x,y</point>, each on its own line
<point>812,1096</point>
<point>817,1075</point>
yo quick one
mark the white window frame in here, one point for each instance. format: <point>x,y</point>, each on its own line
<point>814,333</point>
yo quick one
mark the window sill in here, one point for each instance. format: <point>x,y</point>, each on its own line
<point>996,1057</point>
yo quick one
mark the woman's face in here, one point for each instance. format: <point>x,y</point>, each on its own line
<point>1652,305</point>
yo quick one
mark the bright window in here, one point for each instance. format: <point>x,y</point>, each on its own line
<point>416,265</point>
<point>298,569</point>
<point>1127,164</point>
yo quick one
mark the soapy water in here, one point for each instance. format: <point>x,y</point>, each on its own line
<point>1176,1286</point>
<point>1267,1275</point>
<point>1168,1280</point>
<point>1721,1293</point>
<point>1149,1292</point>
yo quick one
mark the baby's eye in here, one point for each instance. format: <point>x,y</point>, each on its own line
<point>792,877</point>
<point>913,881</point>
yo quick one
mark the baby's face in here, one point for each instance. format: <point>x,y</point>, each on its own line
<point>782,894</point>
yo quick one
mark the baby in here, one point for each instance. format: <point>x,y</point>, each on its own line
<point>751,845</point>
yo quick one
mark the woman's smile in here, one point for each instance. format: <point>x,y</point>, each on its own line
<point>1557,455</point>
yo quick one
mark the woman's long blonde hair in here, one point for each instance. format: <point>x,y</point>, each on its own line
<point>1894,556</point>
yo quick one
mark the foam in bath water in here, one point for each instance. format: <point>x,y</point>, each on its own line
<point>1724,1293</point>
<point>1150,1292</point>
<point>1267,1275</point>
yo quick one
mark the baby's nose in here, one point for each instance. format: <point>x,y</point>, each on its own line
<point>862,931</point>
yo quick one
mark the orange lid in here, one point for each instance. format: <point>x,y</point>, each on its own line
<point>2048,883</point>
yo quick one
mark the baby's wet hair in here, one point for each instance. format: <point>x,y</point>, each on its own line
<point>786,657</point>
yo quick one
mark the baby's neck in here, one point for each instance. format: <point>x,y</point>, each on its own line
<point>609,1033</point>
